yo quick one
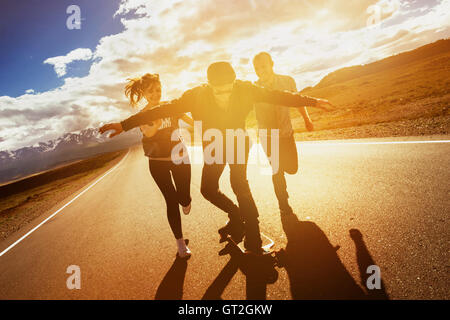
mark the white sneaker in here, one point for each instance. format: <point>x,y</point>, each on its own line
<point>187,209</point>
<point>185,253</point>
<point>183,250</point>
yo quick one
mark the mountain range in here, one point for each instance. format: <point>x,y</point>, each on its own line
<point>67,148</point>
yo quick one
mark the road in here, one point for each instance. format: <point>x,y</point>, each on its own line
<point>396,195</point>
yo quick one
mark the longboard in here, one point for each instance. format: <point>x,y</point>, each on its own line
<point>251,264</point>
<point>267,244</point>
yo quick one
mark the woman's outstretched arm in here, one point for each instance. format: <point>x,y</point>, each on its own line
<point>173,108</point>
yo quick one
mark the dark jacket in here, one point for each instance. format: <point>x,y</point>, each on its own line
<point>161,144</point>
<point>201,103</point>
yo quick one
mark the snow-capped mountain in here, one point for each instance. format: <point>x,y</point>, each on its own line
<point>70,146</point>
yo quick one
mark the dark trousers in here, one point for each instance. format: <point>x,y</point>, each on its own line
<point>246,211</point>
<point>287,163</point>
<point>175,192</point>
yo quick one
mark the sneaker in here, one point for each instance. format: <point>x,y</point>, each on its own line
<point>255,249</point>
<point>187,209</point>
<point>185,253</point>
<point>183,250</point>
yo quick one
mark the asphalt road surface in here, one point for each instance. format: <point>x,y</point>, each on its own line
<point>396,195</point>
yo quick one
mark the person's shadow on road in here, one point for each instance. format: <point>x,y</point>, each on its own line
<point>255,272</point>
<point>171,287</point>
<point>259,271</point>
<point>217,287</point>
<point>314,268</point>
<point>365,260</point>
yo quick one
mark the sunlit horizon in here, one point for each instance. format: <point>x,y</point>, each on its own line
<point>179,39</point>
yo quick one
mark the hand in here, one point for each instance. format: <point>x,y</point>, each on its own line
<point>325,105</point>
<point>309,125</point>
<point>115,127</point>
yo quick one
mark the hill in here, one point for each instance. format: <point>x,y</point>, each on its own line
<point>399,60</point>
<point>410,85</point>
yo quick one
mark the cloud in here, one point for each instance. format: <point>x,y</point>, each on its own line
<point>179,39</point>
<point>29,91</point>
<point>60,63</point>
<point>390,40</point>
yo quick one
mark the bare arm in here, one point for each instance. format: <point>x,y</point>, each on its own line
<point>308,122</point>
<point>303,111</point>
<point>286,99</point>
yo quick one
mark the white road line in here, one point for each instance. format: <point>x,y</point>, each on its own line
<point>64,206</point>
<point>320,143</point>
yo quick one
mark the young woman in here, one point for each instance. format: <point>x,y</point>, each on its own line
<point>158,146</point>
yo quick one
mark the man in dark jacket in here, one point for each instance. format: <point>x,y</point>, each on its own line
<point>222,104</point>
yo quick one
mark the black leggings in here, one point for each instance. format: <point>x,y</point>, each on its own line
<point>175,192</point>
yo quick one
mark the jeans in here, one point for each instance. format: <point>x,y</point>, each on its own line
<point>246,211</point>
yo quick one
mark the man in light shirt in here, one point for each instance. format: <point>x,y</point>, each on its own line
<point>271,117</point>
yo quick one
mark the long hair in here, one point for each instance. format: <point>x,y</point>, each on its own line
<point>135,88</point>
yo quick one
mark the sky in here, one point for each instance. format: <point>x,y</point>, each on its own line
<point>55,80</point>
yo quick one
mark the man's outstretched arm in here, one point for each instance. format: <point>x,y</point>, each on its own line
<point>287,99</point>
<point>173,108</point>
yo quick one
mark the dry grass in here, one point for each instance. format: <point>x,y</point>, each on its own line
<point>404,128</point>
<point>416,90</point>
